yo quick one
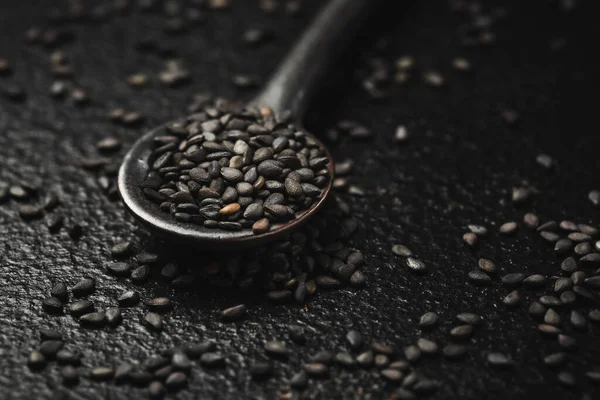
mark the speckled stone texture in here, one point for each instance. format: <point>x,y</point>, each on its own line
<point>458,168</point>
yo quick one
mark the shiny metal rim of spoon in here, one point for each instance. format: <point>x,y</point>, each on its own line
<point>288,90</point>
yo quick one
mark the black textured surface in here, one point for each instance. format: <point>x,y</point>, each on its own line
<point>461,162</point>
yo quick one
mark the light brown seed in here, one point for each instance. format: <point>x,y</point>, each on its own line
<point>229,209</point>
<point>261,226</point>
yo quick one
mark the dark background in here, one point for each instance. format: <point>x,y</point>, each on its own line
<point>458,168</point>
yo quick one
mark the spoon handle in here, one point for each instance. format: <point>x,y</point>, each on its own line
<point>305,65</point>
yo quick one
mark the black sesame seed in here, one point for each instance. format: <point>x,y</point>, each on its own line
<point>233,313</point>
<point>584,293</point>
<point>121,249</point>
<point>69,374</point>
<point>584,248</point>
<point>176,380</point>
<point>404,394</point>
<point>412,353</point>
<point>354,339</point>
<point>276,349</point>
<point>392,375</point>
<point>119,269</point>
<point>566,378</point>
<point>108,144</point>
<point>512,299</point>
<point>487,265</point>
<point>577,320</point>
<point>323,357</point>
<point>534,281</point>
<point>316,370</point>
<point>297,334</point>
<point>593,375</point>
<point>512,279</point>
<point>478,230</point>
<point>508,228</point>
<point>36,360</point>
<point>170,271</point>
<point>461,331</point>
<point>345,360</point>
<point>549,329</point>
<point>327,282</point>
<point>469,318</point>
<point>95,319</point>
<point>594,197</point>
<point>156,362</point>
<point>279,296</point>
<point>563,246</point>
<point>140,274</point>
<point>381,360</point>
<point>536,309</point>
<point>146,258</point>
<point>562,284</point>
<point>590,259</point>
<point>428,320</point>
<point>479,277</point>
<point>153,321</point>
<point>128,298</point>
<point>365,359</point>
<point>569,265</point>
<point>31,211</point>
<point>212,360</point>
<point>454,351</point>
<point>531,221</point>
<point>113,316</point>
<point>299,380</point>
<point>122,372</point>
<point>416,265</point>
<point>551,317</point>
<point>566,342</point>
<point>81,307</point>
<point>50,334</point>
<point>159,304</point>
<point>180,361</point>
<point>196,350</point>
<point>49,348</point>
<point>427,346</point>
<point>18,193</point>
<point>102,373</point>
<point>261,370</point>
<point>382,348</point>
<point>52,305</point>
<point>555,359</point>
<point>499,360</point>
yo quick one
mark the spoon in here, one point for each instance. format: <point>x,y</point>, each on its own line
<point>288,91</point>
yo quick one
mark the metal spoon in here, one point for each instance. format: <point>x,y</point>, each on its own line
<point>288,90</point>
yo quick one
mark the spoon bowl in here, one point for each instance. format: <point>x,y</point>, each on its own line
<point>286,93</point>
<point>134,170</point>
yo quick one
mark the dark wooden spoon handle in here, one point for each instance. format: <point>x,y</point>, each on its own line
<point>301,71</point>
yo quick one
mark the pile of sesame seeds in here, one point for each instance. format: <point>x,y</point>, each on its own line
<point>231,169</point>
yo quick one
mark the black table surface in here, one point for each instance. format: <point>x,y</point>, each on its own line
<point>458,167</point>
